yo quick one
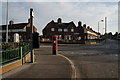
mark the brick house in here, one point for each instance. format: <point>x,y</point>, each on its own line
<point>23,29</point>
<point>68,31</point>
<point>85,32</point>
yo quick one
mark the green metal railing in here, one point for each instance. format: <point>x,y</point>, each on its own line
<point>25,50</point>
<point>14,54</point>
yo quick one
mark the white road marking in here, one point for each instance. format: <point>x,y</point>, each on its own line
<point>74,73</point>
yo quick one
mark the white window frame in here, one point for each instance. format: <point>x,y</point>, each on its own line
<point>60,29</point>
<point>52,29</point>
<point>59,37</point>
<point>65,30</point>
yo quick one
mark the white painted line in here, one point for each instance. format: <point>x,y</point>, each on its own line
<point>74,74</point>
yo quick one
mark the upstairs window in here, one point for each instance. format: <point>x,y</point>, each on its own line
<point>65,30</point>
<point>52,29</point>
<point>60,29</point>
<point>72,30</point>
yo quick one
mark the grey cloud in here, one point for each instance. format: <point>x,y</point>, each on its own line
<point>89,13</point>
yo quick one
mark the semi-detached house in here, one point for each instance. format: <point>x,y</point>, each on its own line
<point>23,29</point>
<point>69,31</point>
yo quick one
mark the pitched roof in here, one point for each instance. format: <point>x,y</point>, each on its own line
<point>62,25</point>
<point>15,26</point>
<point>91,30</point>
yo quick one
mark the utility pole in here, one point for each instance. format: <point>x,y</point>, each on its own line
<point>98,26</point>
<point>7,23</point>
<point>105,25</point>
<point>31,34</point>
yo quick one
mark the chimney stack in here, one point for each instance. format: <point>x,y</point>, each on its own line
<point>84,25</point>
<point>29,20</point>
<point>59,20</point>
<point>88,27</point>
<point>80,23</point>
<point>11,22</point>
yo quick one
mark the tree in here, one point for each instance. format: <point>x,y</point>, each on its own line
<point>110,33</point>
<point>116,34</point>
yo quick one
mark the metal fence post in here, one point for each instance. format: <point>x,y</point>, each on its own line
<point>21,54</point>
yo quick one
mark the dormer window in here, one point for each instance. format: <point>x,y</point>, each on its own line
<point>52,29</point>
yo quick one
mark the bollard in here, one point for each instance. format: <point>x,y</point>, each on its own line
<point>55,45</point>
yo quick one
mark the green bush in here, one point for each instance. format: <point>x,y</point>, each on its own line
<point>11,45</point>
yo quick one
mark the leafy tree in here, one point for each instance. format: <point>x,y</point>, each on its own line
<point>110,33</point>
<point>116,34</point>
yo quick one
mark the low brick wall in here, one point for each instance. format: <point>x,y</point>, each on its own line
<point>14,64</point>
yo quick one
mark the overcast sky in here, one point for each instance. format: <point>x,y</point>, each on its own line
<point>88,12</point>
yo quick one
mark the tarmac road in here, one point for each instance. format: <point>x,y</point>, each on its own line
<point>79,61</point>
<point>93,61</point>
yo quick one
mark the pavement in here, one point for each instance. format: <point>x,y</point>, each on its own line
<point>46,65</point>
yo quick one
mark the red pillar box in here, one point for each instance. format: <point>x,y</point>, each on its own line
<point>55,45</point>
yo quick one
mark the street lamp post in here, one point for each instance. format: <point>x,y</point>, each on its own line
<point>7,23</point>
<point>99,25</point>
<point>105,25</point>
